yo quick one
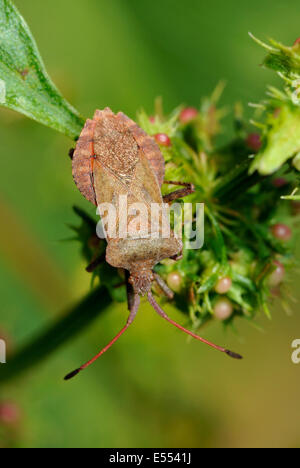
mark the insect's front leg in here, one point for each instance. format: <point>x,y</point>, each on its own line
<point>180,193</point>
<point>163,286</point>
<point>177,257</point>
<point>95,263</point>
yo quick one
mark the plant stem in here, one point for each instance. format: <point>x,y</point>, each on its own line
<point>58,334</point>
<point>236,183</point>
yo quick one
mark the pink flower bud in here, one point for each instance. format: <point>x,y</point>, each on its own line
<point>276,278</point>
<point>188,114</point>
<point>279,182</point>
<point>162,139</point>
<point>9,413</point>
<point>223,308</point>
<point>254,141</point>
<point>281,232</point>
<point>223,285</point>
<point>174,281</point>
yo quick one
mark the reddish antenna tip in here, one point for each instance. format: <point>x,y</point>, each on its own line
<point>233,355</point>
<point>72,374</point>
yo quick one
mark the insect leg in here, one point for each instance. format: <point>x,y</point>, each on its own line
<point>163,286</point>
<point>119,285</point>
<point>177,257</point>
<point>130,291</point>
<point>160,312</point>
<point>94,263</point>
<point>133,312</point>
<point>180,193</point>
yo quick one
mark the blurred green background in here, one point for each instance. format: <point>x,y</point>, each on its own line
<point>153,389</point>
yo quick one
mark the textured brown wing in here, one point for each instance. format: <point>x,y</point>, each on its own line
<point>120,167</point>
<point>148,145</point>
<point>118,143</point>
<point>115,147</point>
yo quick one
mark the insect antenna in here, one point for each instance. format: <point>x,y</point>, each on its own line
<point>133,312</point>
<point>160,312</point>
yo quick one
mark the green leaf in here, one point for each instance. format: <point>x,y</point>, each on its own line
<point>282,59</point>
<point>24,83</point>
<point>282,142</point>
<point>236,294</point>
<point>58,334</point>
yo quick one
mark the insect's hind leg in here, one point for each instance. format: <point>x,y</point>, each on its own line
<point>180,193</point>
<point>130,292</point>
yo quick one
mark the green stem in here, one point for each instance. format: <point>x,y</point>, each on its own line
<point>220,244</point>
<point>236,183</point>
<point>58,334</point>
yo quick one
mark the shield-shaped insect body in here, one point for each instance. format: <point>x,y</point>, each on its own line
<point>115,160</point>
